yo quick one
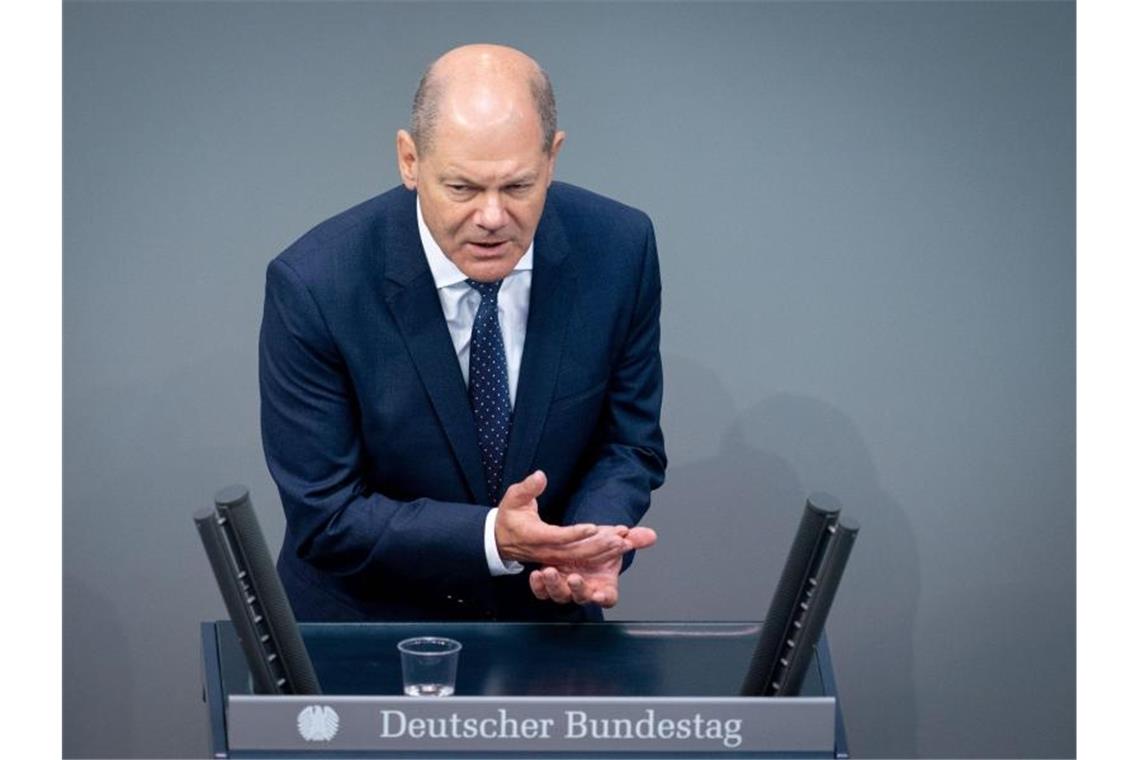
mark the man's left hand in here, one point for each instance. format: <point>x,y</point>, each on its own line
<point>585,582</point>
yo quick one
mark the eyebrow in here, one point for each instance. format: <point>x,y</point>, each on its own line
<point>459,178</point>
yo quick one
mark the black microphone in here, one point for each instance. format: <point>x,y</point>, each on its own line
<point>801,601</point>
<point>812,611</point>
<point>254,596</point>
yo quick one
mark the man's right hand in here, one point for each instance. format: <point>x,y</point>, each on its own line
<point>522,536</point>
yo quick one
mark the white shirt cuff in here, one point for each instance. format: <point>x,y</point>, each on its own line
<point>494,562</point>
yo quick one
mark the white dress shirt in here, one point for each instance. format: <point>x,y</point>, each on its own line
<point>460,302</point>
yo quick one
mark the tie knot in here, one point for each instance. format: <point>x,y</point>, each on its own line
<point>486,289</point>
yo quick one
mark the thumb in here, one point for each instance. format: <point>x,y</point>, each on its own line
<point>521,494</point>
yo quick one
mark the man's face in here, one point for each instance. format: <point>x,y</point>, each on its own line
<point>482,188</point>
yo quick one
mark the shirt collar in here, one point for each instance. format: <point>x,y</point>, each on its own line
<point>443,269</point>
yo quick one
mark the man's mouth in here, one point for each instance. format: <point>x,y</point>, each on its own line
<point>490,246</point>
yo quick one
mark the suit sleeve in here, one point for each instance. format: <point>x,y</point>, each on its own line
<point>336,520</point>
<point>629,456</point>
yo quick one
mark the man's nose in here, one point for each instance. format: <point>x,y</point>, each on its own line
<point>491,215</point>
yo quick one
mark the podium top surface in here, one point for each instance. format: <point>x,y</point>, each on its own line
<point>614,659</point>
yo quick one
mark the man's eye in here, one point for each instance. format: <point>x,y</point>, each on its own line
<point>517,188</point>
<point>460,188</point>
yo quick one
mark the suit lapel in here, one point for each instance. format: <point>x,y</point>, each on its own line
<point>551,289</point>
<point>411,295</point>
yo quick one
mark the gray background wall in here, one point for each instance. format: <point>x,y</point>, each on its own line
<point>865,219</point>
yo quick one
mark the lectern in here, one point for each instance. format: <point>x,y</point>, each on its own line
<point>557,690</point>
<point>615,689</point>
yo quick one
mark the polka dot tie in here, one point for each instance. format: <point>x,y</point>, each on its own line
<point>488,387</point>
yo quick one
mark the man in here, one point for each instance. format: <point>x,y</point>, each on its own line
<point>460,378</point>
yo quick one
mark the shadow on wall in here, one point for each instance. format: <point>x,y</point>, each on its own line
<point>97,670</point>
<point>137,581</point>
<point>727,520</point>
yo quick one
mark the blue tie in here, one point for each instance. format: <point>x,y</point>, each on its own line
<point>488,386</point>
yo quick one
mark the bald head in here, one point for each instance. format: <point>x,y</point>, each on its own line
<point>486,85</point>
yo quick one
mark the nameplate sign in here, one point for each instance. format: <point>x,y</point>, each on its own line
<point>696,725</point>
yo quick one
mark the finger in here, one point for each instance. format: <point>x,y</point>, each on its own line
<point>554,536</point>
<point>537,587</point>
<point>623,532</point>
<point>607,596</point>
<point>592,551</point>
<point>520,495</point>
<point>556,587</point>
<point>579,589</point>
<point>642,537</point>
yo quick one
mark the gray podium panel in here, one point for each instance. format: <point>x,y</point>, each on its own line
<point>636,690</point>
<point>701,726</point>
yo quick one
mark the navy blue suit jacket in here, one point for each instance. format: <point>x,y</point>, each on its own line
<point>368,430</point>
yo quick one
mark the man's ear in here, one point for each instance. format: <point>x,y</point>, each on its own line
<point>555,146</point>
<point>407,159</point>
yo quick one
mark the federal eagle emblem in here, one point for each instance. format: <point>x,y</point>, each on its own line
<point>318,723</point>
